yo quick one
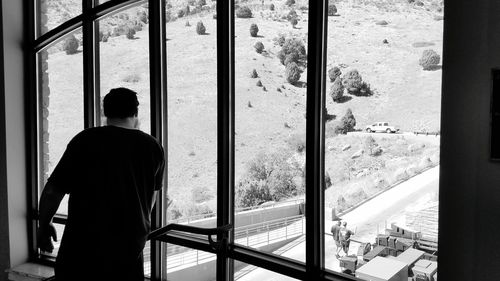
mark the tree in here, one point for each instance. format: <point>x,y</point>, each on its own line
<point>254,29</point>
<point>337,90</point>
<point>200,28</point>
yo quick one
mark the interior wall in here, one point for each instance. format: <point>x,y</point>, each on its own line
<point>470,182</point>
<point>4,213</point>
<point>15,157</point>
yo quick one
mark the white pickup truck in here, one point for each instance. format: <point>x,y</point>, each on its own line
<point>381,127</point>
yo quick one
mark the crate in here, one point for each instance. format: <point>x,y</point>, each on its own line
<point>364,248</point>
<point>377,251</point>
<point>402,244</point>
<point>349,263</point>
<point>392,242</point>
<point>382,240</point>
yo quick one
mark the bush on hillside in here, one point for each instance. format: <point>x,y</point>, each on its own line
<point>254,74</point>
<point>269,177</point>
<point>289,2</point>
<point>429,60</point>
<point>291,15</point>
<point>347,123</point>
<point>292,57</point>
<point>181,13</point>
<point>143,16</point>
<point>294,22</point>
<point>254,29</point>
<point>333,73</point>
<point>279,40</point>
<point>332,10</point>
<point>271,7</point>
<point>130,33</point>
<point>200,28</point>
<point>293,46</point>
<point>71,45</point>
<point>337,90</point>
<point>201,3</point>
<point>354,83</point>
<point>328,180</point>
<point>259,47</point>
<point>187,10</point>
<point>244,12</point>
<point>292,73</point>
<point>259,83</point>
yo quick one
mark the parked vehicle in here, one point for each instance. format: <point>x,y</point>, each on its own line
<point>383,127</point>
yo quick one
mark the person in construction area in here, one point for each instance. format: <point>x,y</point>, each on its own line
<point>345,237</point>
<point>112,174</point>
<point>336,236</point>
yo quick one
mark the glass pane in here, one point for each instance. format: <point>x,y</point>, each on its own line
<point>247,272</point>
<point>60,71</point>
<point>124,58</point>
<point>189,264</point>
<point>382,134</point>
<point>192,118</point>
<point>270,105</point>
<point>52,13</point>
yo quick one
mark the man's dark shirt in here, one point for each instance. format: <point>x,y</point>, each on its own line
<point>111,174</point>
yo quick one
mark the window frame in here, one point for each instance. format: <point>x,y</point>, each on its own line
<point>315,103</point>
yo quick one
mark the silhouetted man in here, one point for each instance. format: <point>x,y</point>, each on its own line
<point>336,236</point>
<point>111,174</point>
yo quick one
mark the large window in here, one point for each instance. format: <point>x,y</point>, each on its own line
<point>277,117</point>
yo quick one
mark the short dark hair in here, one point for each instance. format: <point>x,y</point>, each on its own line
<point>120,103</point>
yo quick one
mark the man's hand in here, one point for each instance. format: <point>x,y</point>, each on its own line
<point>45,236</point>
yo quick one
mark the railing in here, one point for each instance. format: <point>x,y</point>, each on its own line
<point>190,219</point>
<point>254,235</point>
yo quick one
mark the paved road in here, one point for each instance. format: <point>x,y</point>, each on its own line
<point>388,206</point>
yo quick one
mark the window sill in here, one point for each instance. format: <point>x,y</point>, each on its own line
<point>31,272</point>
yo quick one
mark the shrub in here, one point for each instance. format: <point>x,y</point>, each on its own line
<point>254,74</point>
<point>429,60</point>
<point>201,3</point>
<point>259,83</point>
<point>105,38</point>
<point>259,47</point>
<point>181,13</point>
<point>187,10</point>
<point>244,12</point>
<point>292,57</point>
<point>280,40</point>
<point>337,90</point>
<point>294,22</point>
<point>328,180</point>
<point>295,46</point>
<point>191,2</point>
<point>292,73</point>
<point>332,10</point>
<point>271,7</point>
<point>269,177</point>
<point>187,23</point>
<point>251,193</point>
<point>291,15</point>
<point>354,84</point>
<point>71,45</point>
<point>143,16</point>
<point>347,123</point>
<point>289,2</point>
<point>200,28</point>
<point>333,73</point>
<point>130,33</point>
<point>371,146</point>
<point>254,29</point>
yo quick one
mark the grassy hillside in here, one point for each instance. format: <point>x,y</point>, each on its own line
<point>266,120</point>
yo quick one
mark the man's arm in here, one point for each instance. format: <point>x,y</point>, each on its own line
<point>49,203</point>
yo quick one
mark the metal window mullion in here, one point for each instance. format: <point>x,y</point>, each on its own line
<point>157,68</point>
<point>89,42</point>
<point>315,138</point>
<point>225,130</point>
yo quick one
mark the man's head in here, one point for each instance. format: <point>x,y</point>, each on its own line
<point>338,223</point>
<point>121,104</point>
<point>344,224</point>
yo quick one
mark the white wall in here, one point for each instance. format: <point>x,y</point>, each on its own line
<point>15,127</point>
